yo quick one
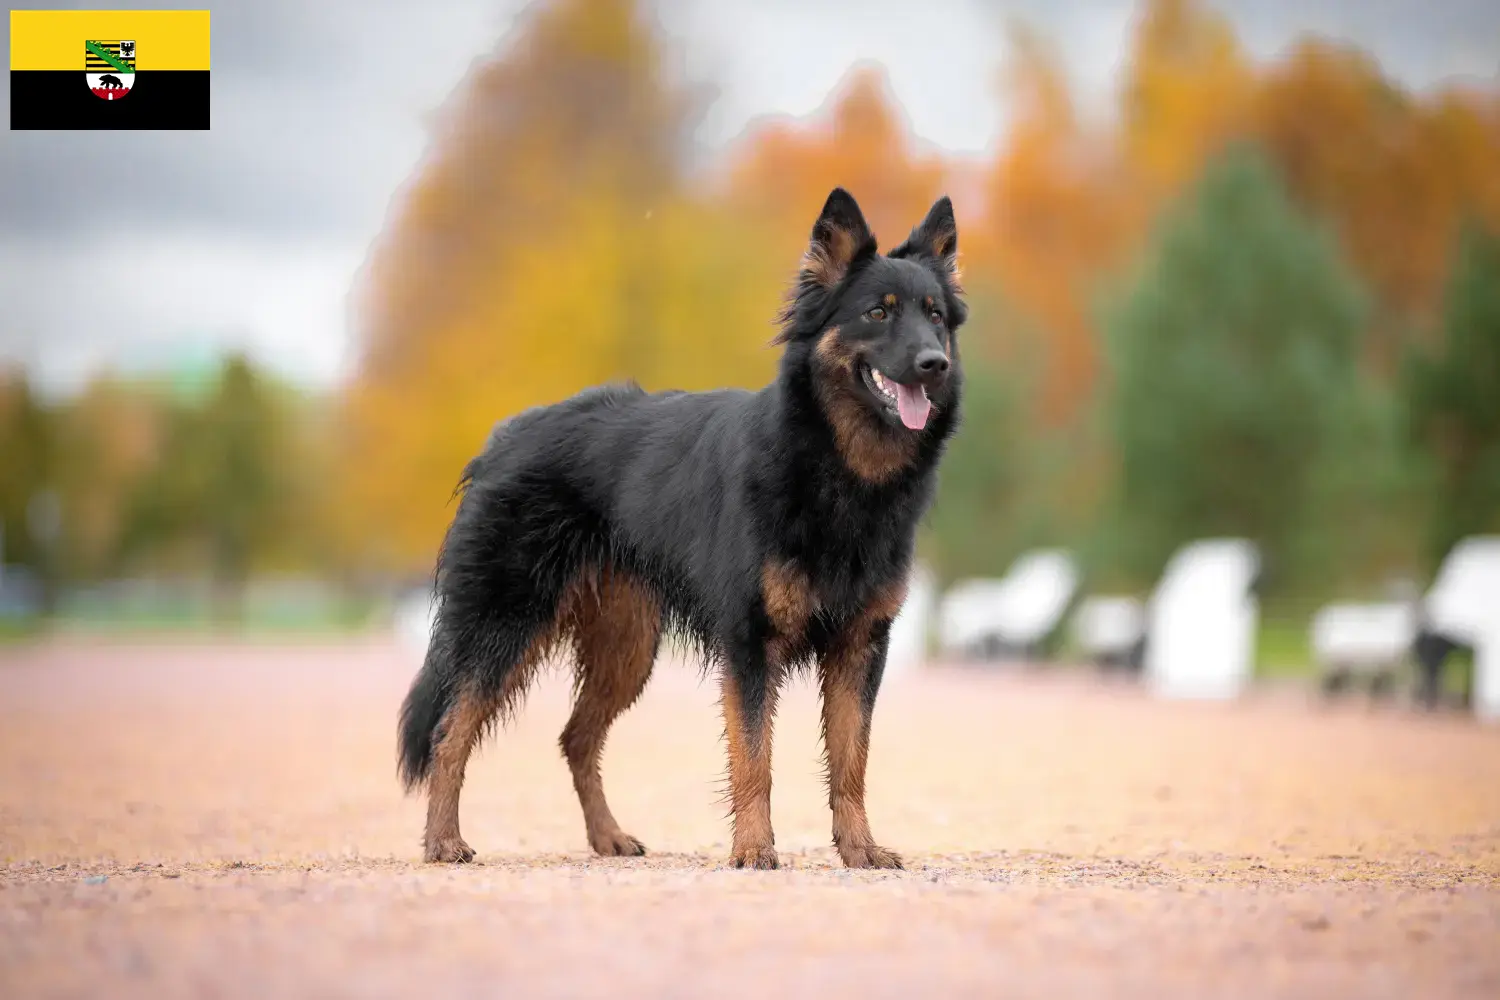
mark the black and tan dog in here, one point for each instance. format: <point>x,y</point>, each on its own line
<point>773,529</point>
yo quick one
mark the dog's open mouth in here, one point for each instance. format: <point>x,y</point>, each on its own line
<point>908,401</point>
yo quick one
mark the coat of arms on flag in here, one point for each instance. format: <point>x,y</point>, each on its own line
<point>109,67</point>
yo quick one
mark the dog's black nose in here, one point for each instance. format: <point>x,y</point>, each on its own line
<point>931,365</point>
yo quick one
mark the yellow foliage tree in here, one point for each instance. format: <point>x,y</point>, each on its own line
<point>548,243</point>
<point>1185,93</point>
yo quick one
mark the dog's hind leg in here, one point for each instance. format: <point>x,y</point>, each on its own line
<point>470,708</point>
<point>461,727</point>
<point>616,631</point>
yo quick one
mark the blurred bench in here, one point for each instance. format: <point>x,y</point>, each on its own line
<point>1110,631</point>
<point>1013,616</point>
<point>1362,644</point>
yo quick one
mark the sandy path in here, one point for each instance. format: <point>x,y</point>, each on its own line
<point>197,820</point>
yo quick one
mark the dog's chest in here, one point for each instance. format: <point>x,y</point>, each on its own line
<point>807,599</point>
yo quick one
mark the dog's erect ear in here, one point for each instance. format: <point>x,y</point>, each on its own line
<point>839,237</point>
<point>936,237</point>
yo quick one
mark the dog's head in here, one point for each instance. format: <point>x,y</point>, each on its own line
<point>878,333</point>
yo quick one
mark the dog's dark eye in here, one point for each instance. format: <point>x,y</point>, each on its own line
<point>877,314</point>
<point>936,317</point>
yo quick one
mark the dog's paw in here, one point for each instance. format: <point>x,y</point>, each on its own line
<point>762,858</point>
<point>870,856</point>
<point>448,849</point>
<point>617,844</point>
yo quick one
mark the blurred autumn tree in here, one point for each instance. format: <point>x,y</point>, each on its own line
<point>781,174</point>
<point>1453,394</point>
<point>1394,173</point>
<point>1234,358</point>
<point>547,243</point>
<point>1186,90</point>
<point>1058,219</point>
<point>1069,204</point>
<point>108,440</point>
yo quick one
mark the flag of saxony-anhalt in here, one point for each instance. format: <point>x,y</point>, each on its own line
<point>109,69</point>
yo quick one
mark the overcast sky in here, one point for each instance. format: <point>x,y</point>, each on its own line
<point>140,249</point>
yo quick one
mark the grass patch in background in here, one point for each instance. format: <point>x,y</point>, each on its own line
<point>1283,649</point>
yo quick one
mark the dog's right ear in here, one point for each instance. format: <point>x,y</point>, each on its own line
<point>839,238</point>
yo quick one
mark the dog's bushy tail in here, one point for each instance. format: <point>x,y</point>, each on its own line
<point>421,714</point>
<point>431,692</point>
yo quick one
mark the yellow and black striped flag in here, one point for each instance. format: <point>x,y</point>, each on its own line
<point>109,69</point>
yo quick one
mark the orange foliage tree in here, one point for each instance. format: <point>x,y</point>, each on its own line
<point>782,172</point>
<point>1392,172</point>
<point>1057,219</point>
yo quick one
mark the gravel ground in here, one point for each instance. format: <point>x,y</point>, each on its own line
<point>223,820</point>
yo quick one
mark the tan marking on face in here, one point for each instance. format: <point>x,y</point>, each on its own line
<point>833,352</point>
<point>890,301</point>
<point>870,449</point>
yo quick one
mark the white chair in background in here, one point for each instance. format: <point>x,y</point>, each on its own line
<point>1202,620</point>
<point>1462,608</point>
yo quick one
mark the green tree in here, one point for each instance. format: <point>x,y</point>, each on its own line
<point>1234,360</point>
<point>1453,398</point>
<point>27,446</point>
<point>240,489</point>
<point>214,498</point>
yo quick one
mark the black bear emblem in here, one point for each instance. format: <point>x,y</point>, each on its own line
<point>111,82</point>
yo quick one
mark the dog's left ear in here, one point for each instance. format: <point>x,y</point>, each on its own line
<point>935,237</point>
<point>839,237</point>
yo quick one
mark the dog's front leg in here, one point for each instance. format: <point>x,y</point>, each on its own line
<point>851,675</point>
<point>749,699</point>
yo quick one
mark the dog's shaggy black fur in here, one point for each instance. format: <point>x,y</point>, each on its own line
<point>773,529</point>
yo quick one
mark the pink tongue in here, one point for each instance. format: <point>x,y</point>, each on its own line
<point>913,404</point>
